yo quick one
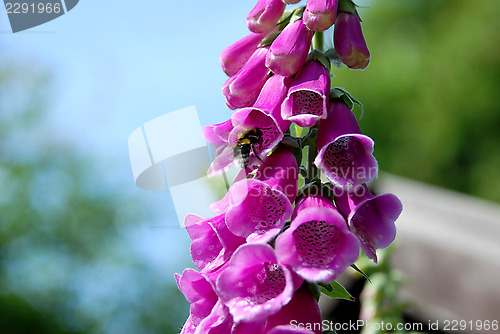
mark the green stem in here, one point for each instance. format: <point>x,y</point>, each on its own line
<point>312,170</point>
<point>317,41</point>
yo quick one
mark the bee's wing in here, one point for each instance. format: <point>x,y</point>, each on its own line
<point>221,162</point>
<point>240,158</point>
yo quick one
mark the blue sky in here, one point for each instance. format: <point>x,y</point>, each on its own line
<point>118,64</point>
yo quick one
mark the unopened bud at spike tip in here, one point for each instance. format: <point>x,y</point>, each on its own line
<point>349,41</point>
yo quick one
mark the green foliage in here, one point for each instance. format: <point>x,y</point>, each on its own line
<point>380,300</point>
<point>20,317</point>
<point>336,290</point>
<point>430,91</point>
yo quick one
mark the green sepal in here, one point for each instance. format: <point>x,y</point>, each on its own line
<point>290,141</point>
<point>303,171</point>
<point>348,6</point>
<point>293,130</point>
<point>334,58</point>
<point>297,14</point>
<point>339,92</point>
<point>269,39</point>
<point>320,57</point>
<point>335,290</point>
<point>355,267</point>
<point>285,19</point>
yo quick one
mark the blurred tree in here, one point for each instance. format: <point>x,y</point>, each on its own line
<point>64,266</point>
<point>430,91</point>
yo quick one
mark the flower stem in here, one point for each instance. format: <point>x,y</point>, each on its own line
<point>312,170</point>
<point>317,41</point>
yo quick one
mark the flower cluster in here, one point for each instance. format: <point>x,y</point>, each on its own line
<point>270,243</point>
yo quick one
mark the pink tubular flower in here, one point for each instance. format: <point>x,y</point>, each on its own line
<point>258,208</point>
<point>236,55</point>
<point>349,42</point>
<point>280,172</point>
<point>207,313</point>
<point>289,50</point>
<point>242,122</point>
<point>270,99</point>
<point>213,243</point>
<point>255,285</point>
<point>318,246</point>
<point>242,89</point>
<point>268,130</point>
<point>255,211</point>
<point>308,95</point>
<point>345,155</point>
<point>371,218</point>
<point>320,15</point>
<point>218,136</point>
<point>264,16</point>
<point>264,118</point>
<point>302,309</point>
<point>269,102</point>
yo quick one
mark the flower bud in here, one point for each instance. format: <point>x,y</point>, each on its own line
<point>236,55</point>
<point>291,2</point>
<point>289,50</point>
<point>242,89</point>
<point>271,98</point>
<point>264,16</point>
<point>320,15</point>
<point>349,42</point>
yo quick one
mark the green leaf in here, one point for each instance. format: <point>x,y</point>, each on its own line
<point>336,290</point>
<point>355,267</point>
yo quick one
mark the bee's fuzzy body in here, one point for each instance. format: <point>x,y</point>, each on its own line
<point>245,145</point>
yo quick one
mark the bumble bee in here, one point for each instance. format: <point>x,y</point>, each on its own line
<point>245,145</point>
